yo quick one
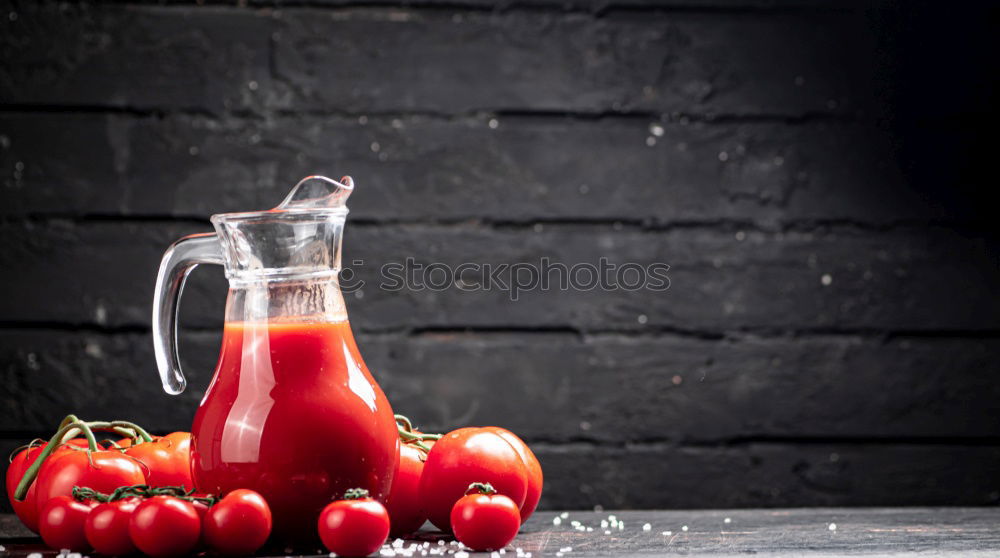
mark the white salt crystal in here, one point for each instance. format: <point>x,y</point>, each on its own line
<point>667,533</point>
<point>556,520</point>
<point>564,515</point>
<point>647,527</point>
<point>684,528</point>
<point>833,527</point>
<point>727,520</point>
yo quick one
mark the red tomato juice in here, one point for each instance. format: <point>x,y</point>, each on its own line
<point>294,414</point>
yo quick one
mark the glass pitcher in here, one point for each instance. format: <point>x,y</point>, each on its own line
<point>292,411</point>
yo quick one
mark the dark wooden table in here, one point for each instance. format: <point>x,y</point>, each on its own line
<point>827,532</point>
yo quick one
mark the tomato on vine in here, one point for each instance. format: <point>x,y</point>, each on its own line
<point>103,471</point>
<point>168,459</point>
<point>406,513</point>
<point>107,527</point>
<point>484,520</point>
<point>61,522</point>
<point>238,524</point>
<point>463,457</point>
<point>165,526</point>
<point>354,526</point>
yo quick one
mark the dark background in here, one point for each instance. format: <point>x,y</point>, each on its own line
<point>819,176</point>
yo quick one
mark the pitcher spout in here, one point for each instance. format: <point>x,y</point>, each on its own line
<point>318,192</point>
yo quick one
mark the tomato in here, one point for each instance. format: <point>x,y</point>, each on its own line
<point>465,456</point>
<point>165,526</point>
<point>531,464</point>
<point>355,526</point>
<point>103,471</point>
<point>239,524</point>
<point>168,459</point>
<point>61,523</point>
<point>484,520</point>
<point>405,511</point>
<point>107,527</point>
<point>26,510</point>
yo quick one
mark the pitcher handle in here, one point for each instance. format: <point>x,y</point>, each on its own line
<point>177,263</point>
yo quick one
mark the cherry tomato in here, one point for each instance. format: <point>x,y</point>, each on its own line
<point>405,511</point>
<point>168,459</point>
<point>107,527</point>
<point>355,526</point>
<point>103,471</point>
<point>239,524</point>
<point>61,523</point>
<point>484,520</point>
<point>165,526</point>
<point>465,456</point>
<point>531,464</point>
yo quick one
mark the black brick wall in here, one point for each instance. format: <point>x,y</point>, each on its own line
<point>816,174</point>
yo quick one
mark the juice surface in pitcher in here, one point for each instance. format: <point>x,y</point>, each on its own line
<point>294,414</point>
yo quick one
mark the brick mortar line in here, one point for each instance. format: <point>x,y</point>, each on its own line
<point>597,10</point>
<point>625,224</point>
<point>667,118</point>
<point>581,335</point>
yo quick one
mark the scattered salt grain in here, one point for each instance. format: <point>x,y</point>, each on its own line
<point>461,554</point>
<point>566,549</point>
<point>440,542</point>
<point>606,532</point>
<point>604,524</point>
<point>727,520</point>
<point>556,520</point>
<point>667,533</point>
<point>35,555</point>
<point>684,528</point>
<point>589,529</point>
<point>398,543</point>
<point>494,555</point>
<point>833,527</point>
<point>387,552</point>
<point>647,527</point>
<point>564,515</point>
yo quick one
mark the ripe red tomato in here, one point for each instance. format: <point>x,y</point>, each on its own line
<point>26,510</point>
<point>355,526</point>
<point>239,524</point>
<point>103,471</point>
<point>168,459</point>
<point>107,527</point>
<point>165,526</point>
<point>465,456</point>
<point>404,506</point>
<point>484,520</point>
<point>531,464</point>
<point>61,523</point>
